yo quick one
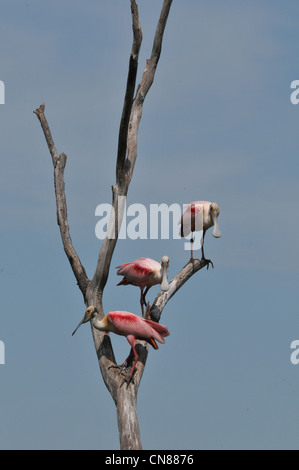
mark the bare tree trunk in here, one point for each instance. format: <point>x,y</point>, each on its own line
<point>127,419</point>
<point>124,396</point>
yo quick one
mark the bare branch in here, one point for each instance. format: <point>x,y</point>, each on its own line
<point>121,188</point>
<point>131,82</point>
<point>107,248</point>
<point>125,397</point>
<point>137,32</point>
<point>175,284</point>
<point>157,45</point>
<point>143,88</point>
<point>59,162</point>
<point>43,121</point>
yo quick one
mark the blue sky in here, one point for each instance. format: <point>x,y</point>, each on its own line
<point>217,125</point>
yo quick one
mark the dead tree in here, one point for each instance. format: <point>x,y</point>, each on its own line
<point>92,289</point>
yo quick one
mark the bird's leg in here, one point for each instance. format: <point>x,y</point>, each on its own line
<point>191,242</point>
<point>191,260</point>
<point>144,294</point>
<point>208,261</point>
<point>128,378</point>
<point>142,302</point>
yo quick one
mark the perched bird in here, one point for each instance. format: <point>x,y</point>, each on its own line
<point>129,325</point>
<point>145,273</point>
<point>200,215</point>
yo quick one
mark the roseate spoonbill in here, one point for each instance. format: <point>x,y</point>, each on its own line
<point>145,273</point>
<point>129,325</point>
<point>200,215</point>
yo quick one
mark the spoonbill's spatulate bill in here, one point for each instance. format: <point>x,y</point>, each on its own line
<point>129,325</point>
<point>200,215</point>
<point>145,273</point>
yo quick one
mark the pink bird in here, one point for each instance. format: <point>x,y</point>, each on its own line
<point>129,325</point>
<point>200,215</point>
<point>145,273</point>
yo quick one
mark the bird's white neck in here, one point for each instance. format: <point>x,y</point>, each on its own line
<point>164,278</point>
<point>101,325</point>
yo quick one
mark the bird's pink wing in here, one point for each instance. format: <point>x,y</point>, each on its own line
<point>138,271</point>
<point>126,323</point>
<point>123,268</point>
<point>160,329</point>
<point>192,219</point>
<point>185,222</point>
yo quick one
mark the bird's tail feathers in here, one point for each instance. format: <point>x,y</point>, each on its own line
<point>160,329</point>
<point>123,282</point>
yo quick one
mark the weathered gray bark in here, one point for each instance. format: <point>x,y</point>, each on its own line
<point>125,397</point>
<point>175,284</point>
